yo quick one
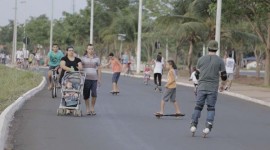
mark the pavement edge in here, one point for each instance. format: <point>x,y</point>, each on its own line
<point>243,97</point>
<point>8,114</point>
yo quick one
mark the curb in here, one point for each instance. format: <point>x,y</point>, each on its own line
<point>243,97</point>
<point>8,114</point>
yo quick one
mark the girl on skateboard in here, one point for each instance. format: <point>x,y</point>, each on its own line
<point>170,90</point>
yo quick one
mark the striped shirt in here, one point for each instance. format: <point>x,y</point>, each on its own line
<point>90,67</point>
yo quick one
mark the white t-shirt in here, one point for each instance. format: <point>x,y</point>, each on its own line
<point>158,67</point>
<point>193,77</point>
<point>25,53</point>
<point>229,65</point>
<point>19,54</point>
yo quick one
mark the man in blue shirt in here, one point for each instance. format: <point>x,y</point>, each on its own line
<point>53,61</point>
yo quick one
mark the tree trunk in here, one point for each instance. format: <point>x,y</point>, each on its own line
<point>267,59</point>
<point>258,62</point>
<point>238,64</point>
<point>190,55</point>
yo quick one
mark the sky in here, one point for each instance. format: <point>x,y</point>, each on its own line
<point>35,8</point>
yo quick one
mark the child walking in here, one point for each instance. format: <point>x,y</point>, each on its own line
<point>170,90</point>
<point>147,74</point>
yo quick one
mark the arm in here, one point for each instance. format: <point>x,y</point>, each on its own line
<point>107,64</point>
<point>80,67</point>
<point>99,74</point>
<point>63,66</point>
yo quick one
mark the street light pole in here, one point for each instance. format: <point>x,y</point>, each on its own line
<point>51,31</point>
<point>24,32</point>
<point>139,38</point>
<point>218,24</point>
<point>91,22</point>
<point>15,36</point>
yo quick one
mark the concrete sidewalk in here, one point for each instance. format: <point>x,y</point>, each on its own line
<point>254,94</point>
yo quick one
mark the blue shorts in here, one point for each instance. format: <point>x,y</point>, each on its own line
<point>115,77</point>
<point>90,86</point>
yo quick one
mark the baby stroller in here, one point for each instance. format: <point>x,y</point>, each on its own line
<point>72,87</point>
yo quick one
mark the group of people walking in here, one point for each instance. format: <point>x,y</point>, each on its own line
<point>89,63</point>
<point>208,71</point>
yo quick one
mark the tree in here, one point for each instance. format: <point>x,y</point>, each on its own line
<point>258,15</point>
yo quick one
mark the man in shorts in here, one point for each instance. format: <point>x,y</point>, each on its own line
<point>91,66</point>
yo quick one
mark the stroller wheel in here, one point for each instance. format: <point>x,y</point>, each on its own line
<point>79,113</point>
<point>75,113</point>
<point>60,112</point>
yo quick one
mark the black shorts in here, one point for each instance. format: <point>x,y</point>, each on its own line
<point>90,86</point>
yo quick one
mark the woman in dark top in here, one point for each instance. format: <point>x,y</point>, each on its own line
<point>69,62</point>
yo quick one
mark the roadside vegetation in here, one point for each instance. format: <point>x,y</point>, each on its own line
<point>14,83</point>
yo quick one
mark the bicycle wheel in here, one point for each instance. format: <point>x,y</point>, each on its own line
<point>54,90</point>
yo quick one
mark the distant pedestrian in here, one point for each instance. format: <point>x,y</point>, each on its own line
<point>158,67</point>
<point>194,80</point>
<point>230,66</point>
<point>170,90</point>
<point>116,69</point>
<point>209,68</point>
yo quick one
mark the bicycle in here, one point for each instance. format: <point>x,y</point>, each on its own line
<point>54,83</point>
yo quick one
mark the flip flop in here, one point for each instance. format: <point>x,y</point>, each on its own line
<point>93,113</point>
<point>158,114</point>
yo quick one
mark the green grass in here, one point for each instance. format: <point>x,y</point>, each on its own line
<point>14,83</point>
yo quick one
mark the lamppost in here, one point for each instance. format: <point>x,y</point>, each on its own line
<point>25,42</point>
<point>218,24</point>
<point>121,37</point>
<point>139,38</point>
<point>14,44</point>
<point>91,21</point>
<point>51,31</point>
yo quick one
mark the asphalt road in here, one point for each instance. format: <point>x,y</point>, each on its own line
<point>126,122</point>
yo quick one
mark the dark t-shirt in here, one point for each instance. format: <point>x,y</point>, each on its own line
<point>70,63</point>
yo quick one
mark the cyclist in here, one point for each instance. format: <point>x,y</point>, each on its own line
<point>53,60</point>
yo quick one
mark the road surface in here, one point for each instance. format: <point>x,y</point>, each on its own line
<point>126,122</point>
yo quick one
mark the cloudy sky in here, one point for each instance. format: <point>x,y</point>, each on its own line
<point>35,8</point>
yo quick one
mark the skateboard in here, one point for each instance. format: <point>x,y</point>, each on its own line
<point>170,115</point>
<point>114,93</point>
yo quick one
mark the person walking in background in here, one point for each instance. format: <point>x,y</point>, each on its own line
<point>194,79</point>
<point>209,69</point>
<point>116,69</point>
<point>38,56</point>
<point>170,90</point>
<point>125,61</point>
<point>158,67</point>
<point>91,66</point>
<point>230,66</point>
